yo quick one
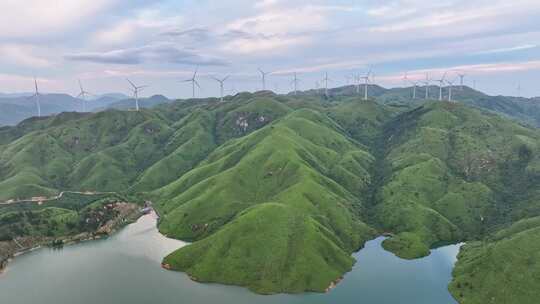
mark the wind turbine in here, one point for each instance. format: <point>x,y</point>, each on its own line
<point>441,83</point>
<point>450,85</point>
<point>221,82</point>
<point>263,77</point>
<point>461,76</point>
<point>426,83</point>
<point>326,80</point>
<point>366,82</point>
<point>519,89</point>
<point>295,82</point>
<point>36,96</point>
<point>415,84</point>
<point>83,95</point>
<point>193,81</point>
<point>136,90</point>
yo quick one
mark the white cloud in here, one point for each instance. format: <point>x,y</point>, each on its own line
<point>267,45</point>
<point>36,18</point>
<point>509,49</point>
<point>444,14</point>
<point>146,22</point>
<point>22,83</point>
<point>471,69</point>
<point>22,55</point>
<point>164,53</point>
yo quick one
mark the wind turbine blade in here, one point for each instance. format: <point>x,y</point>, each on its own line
<point>225,78</point>
<point>195,73</point>
<point>197,83</point>
<point>131,83</point>
<point>80,86</point>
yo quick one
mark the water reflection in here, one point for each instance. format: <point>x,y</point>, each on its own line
<point>126,269</point>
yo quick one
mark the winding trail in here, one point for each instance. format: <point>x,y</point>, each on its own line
<point>52,198</point>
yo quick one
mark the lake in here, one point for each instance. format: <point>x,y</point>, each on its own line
<point>125,268</point>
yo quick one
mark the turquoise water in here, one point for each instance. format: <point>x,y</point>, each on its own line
<point>126,269</point>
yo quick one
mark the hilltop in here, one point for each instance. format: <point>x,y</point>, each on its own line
<point>525,110</point>
<point>14,108</point>
<point>275,192</point>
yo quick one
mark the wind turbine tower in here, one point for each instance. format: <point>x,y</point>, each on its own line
<point>426,83</point>
<point>136,90</point>
<point>295,82</point>
<point>326,79</point>
<point>461,77</point>
<point>83,95</point>
<point>441,83</point>
<point>366,82</point>
<point>263,78</point>
<point>36,97</point>
<point>450,85</point>
<point>414,83</point>
<point>193,81</point>
<point>221,85</point>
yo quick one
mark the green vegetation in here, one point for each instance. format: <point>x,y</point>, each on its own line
<point>277,187</point>
<point>72,214</point>
<point>503,269</point>
<point>276,192</point>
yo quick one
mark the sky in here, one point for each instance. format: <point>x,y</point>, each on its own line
<point>159,43</point>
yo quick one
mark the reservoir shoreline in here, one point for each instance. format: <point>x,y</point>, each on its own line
<point>9,250</point>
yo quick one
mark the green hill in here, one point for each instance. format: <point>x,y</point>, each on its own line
<point>504,269</point>
<point>300,175</point>
<point>276,192</point>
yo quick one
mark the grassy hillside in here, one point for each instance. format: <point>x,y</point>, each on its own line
<point>292,185</point>
<point>452,173</point>
<point>120,150</point>
<point>299,174</point>
<point>503,269</point>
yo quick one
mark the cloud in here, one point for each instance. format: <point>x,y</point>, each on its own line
<point>22,83</point>
<point>22,55</point>
<point>279,26</point>
<point>153,53</point>
<point>37,18</point>
<point>195,34</point>
<point>471,69</point>
<point>468,15</point>
<point>145,22</point>
<point>262,44</point>
<point>509,49</point>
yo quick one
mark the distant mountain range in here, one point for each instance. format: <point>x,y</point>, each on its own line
<point>16,107</point>
<point>129,103</point>
<point>525,110</point>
